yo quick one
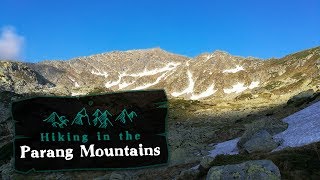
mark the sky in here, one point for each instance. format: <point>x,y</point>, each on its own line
<point>33,30</point>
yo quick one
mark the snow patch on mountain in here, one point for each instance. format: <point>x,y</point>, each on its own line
<point>75,83</point>
<point>169,74</point>
<point>189,89</point>
<point>209,56</point>
<point>114,83</point>
<point>210,91</point>
<point>234,70</point>
<point>254,84</point>
<point>170,66</point>
<point>304,128</point>
<point>151,84</point>
<point>77,93</point>
<point>240,87</point>
<point>228,147</point>
<point>125,84</point>
<point>98,73</point>
<point>237,88</point>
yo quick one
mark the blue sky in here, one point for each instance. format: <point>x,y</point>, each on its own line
<point>64,29</point>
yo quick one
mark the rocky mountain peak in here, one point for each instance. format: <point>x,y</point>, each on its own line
<point>221,53</point>
<point>209,75</point>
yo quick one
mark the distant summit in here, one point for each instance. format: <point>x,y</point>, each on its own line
<point>216,75</point>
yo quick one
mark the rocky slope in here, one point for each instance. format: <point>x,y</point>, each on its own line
<point>215,93</point>
<point>207,76</point>
<point>17,77</point>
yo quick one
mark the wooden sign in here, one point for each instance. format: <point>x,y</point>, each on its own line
<point>117,130</point>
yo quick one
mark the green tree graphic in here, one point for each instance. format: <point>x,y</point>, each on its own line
<point>104,120</point>
<point>101,119</point>
<point>96,114</point>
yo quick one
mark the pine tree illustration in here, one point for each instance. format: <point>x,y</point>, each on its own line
<point>80,115</point>
<point>132,115</point>
<point>96,114</point>
<point>104,120</point>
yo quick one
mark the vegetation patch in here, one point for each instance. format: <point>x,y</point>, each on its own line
<point>97,90</point>
<point>274,84</point>
<point>297,76</point>
<point>291,87</point>
<point>244,96</point>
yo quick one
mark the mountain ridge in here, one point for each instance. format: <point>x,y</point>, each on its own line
<point>206,76</point>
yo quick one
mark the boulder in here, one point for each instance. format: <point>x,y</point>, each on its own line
<point>6,170</point>
<point>262,141</point>
<point>258,169</point>
<point>206,163</point>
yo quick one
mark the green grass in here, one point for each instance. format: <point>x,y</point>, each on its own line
<point>292,86</point>
<point>272,85</point>
<point>297,76</point>
<point>244,96</point>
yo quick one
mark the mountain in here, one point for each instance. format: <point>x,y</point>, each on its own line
<point>213,98</point>
<point>20,78</point>
<point>207,76</point>
<point>124,116</point>
<point>52,118</point>
<point>81,115</point>
<point>56,120</point>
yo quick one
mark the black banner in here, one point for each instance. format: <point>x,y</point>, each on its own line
<point>118,130</point>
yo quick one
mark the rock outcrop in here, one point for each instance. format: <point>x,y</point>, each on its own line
<point>258,169</point>
<point>261,141</point>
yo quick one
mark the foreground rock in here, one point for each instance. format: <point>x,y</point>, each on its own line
<point>206,163</point>
<point>227,147</point>
<point>261,141</point>
<point>6,170</point>
<point>259,169</point>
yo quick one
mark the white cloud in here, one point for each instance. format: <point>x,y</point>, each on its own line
<point>11,44</point>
